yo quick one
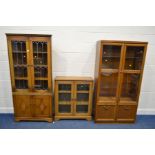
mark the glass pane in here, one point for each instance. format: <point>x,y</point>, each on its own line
<point>82,108</point>
<point>20,63</point>
<point>19,52</point>
<point>134,58</point>
<point>40,64</point>
<point>20,71</point>
<point>41,84</point>
<point>64,87</point>
<point>64,108</point>
<point>111,56</point>
<point>40,53</point>
<point>82,96</point>
<point>129,90</point>
<point>108,84</point>
<point>21,84</point>
<point>64,97</point>
<point>84,87</point>
<point>40,71</point>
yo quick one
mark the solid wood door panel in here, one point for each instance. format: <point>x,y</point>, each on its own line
<point>41,106</point>
<point>126,112</point>
<point>105,112</point>
<point>22,106</point>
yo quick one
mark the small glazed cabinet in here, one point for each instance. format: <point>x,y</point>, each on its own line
<point>31,78</point>
<point>73,98</point>
<point>118,76</point>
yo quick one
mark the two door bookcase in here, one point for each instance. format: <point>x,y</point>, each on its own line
<point>118,76</point>
<point>73,97</point>
<point>31,78</point>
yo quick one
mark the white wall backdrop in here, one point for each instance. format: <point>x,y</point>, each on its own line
<point>73,53</point>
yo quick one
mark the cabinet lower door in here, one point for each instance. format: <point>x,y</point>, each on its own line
<point>126,113</point>
<point>22,106</point>
<point>105,113</point>
<point>41,106</point>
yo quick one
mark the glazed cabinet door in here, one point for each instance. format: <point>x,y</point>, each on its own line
<point>82,98</point>
<point>41,63</point>
<point>19,63</point>
<point>22,106</point>
<point>41,105</point>
<point>110,63</point>
<point>64,97</point>
<point>131,73</point>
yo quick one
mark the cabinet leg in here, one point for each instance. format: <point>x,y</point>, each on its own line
<point>17,120</point>
<point>89,119</point>
<point>56,119</point>
<point>49,120</point>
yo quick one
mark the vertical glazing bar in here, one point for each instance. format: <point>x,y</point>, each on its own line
<point>16,53</point>
<point>42,58</point>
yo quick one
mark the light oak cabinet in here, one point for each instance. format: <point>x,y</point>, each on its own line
<point>118,76</point>
<point>31,76</point>
<point>73,98</point>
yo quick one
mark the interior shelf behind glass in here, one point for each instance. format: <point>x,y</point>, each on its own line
<point>134,57</point>
<point>111,56</point>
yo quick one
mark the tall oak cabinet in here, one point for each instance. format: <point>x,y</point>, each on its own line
<point>118,76</point>
<point>31,76</point>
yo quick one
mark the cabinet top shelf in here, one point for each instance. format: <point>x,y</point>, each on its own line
<point>73,78</point>
<point>29,35</point>
<point>120,41</point>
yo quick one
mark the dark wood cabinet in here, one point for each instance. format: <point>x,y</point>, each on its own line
<point>118,75</point>
<point>31,76</point>
<point>73,98</point>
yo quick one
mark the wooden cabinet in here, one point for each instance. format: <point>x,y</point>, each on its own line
<point>31,76</point>
<point>118,75</point>
<point>73,98</point>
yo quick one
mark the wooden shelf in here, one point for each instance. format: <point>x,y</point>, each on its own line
<point>127,100</point>
<point>82,102</point>
<point>64,91</point>
<point>109,70</point>
<point>107,99</point>
<point>21,78</point>
<point>40,78</point>
<point>111,57</point>
<point>83,91</point>
<point>20,65</point>
<point>132,71</point>
<point>64,102</point>
<point>19,52</point>
<point>40,52</point>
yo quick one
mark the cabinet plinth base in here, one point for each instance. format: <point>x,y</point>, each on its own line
<point>88,118</point>
<point>17,119</point>
<point>115,122</point>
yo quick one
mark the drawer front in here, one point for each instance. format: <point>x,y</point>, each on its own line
<point>41,106</point>
<point>126,112</point>
<point>22,105</point>
<point>105,112</point>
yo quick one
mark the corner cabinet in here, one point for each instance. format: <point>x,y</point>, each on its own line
<point>73,98</point>
<point>31,76</point>
<point>118,76</point>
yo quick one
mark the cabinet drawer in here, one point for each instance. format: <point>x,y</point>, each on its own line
<point>126,112</point>
<point>41,106</point>
<point>22,105</point>
<point>105,112</point>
